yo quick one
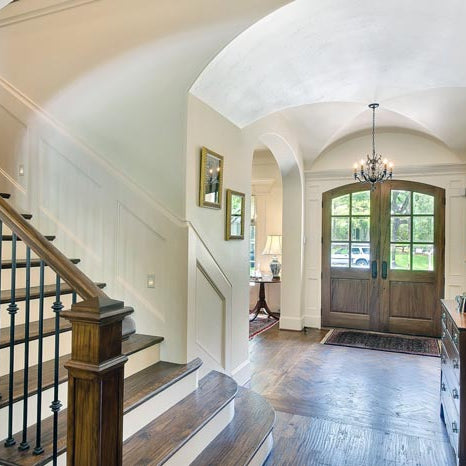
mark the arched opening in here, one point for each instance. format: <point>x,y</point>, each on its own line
<point>291,216</point>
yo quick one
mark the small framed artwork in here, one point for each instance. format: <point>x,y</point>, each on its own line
<point>211,179</point>
<point>234,227</point>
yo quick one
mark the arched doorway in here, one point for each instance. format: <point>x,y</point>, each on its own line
<point>383,257</point>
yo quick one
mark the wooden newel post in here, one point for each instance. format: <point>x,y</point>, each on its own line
<point>95,383</point>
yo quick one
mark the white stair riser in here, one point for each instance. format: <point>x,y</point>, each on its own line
<point>49,277</point>
<point>47,398</point>
<point>33,310</point>
<point>263,453</point>
<point>20,249</point>
<point>157,405</point>
<point>198,442</point>
<point>134,364</point>
<point>48,352</point>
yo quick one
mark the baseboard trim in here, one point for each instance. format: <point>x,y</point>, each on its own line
<point>242,373</point>
<point>312,321</point>
<point>291,323</point>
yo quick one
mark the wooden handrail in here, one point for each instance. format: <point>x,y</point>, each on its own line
<point>53,257</point>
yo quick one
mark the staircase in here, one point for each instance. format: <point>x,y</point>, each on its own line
<point>64,398</point>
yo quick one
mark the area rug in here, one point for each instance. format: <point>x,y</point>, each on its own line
<point>260,325</point>
<point>383,342</point>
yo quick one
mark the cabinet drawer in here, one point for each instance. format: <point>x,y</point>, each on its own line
<point>451,416</point>
<point>450,361</point>
<point>450,388</point>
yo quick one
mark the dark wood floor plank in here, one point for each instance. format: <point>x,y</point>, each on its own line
<point>240,440</point>
<point>136,342</point>
<point>348,406</point>
<point>49,329</point>
<point>159,376</point>
<point>164,436</point>
<point>49,290</point>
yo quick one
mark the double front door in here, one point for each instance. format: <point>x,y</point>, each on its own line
<point>383,257</point>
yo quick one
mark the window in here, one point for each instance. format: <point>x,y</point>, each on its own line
<point>412,231</point>
<point>350,230</point>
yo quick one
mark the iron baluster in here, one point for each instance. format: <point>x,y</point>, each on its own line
<point>24,445</point>
<point>38,448</point>
<point>74,298</point>
<point>12,310</point>
<point>56,404</point>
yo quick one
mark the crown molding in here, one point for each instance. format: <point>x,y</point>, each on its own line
<point>30,9</point>
<point>408,170</point>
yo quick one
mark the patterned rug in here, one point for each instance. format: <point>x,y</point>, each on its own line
<point>383,342</point>
<point>260,324</point>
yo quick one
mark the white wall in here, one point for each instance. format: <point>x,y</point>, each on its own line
<point>223,264</point>
<point>416,158</point>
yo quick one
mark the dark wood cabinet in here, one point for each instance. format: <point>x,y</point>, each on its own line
<point>453,383</point>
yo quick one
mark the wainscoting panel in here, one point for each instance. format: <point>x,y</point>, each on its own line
<point>210,318</point>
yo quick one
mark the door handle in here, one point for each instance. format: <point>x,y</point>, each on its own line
<point>384,270</point>
<point>374,269</point>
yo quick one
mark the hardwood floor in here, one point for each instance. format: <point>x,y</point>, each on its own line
<point>347,406</point>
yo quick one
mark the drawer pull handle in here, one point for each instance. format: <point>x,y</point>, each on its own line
<point>444,334</point>
<point>454,393</point>
<point>454,427</point>
<point>444,316</point>
<point>455,338</point>
<point>443,387</point>
<point>456,364</point>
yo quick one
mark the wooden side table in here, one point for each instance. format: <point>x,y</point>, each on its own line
<point>261,302</point>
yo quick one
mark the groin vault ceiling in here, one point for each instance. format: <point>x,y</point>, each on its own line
<point>321,62</point>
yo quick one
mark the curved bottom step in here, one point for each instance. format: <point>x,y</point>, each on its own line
<point>247,440</point>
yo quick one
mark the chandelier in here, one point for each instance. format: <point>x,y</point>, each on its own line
<point>373,170</point>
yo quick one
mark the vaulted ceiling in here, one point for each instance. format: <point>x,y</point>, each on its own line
<point>321,62</point>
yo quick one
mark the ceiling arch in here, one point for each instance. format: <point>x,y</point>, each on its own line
<point>320,62</point>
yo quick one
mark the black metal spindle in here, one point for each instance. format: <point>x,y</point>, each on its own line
<point>38,448</point>
<point>24,445</point>
<point>74,298</point>
<point>12,310</point>
<point>56,404</point>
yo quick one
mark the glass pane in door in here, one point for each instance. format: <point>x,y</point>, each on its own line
<point>412,232</point>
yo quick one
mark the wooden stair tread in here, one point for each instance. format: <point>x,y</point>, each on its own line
<point>165,435</point>
<point>160,375</point>
<point>49,290</point>
<point>21,263</point>
<point>48,329</point>
<point>154,379</point>
<point>242,438</point>
<point>10,238</point>
<point>134,343</point>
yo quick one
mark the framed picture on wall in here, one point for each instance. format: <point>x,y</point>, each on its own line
<point>211,179</point>
<point>234,222</point>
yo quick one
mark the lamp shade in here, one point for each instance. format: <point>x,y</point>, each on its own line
<point>273,245</point>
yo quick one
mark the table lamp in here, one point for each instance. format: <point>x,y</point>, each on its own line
<point>273,247</point>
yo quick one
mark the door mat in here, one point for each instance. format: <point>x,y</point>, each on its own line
<point>260,324</point>
<point>383,342</point>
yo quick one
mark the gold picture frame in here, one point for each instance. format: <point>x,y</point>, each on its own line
<point>211,179</point>
<point>234,219</point>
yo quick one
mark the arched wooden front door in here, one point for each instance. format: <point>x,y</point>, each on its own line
<point>383,257</point>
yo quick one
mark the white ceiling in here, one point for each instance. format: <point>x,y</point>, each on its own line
<point>320,62</point>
